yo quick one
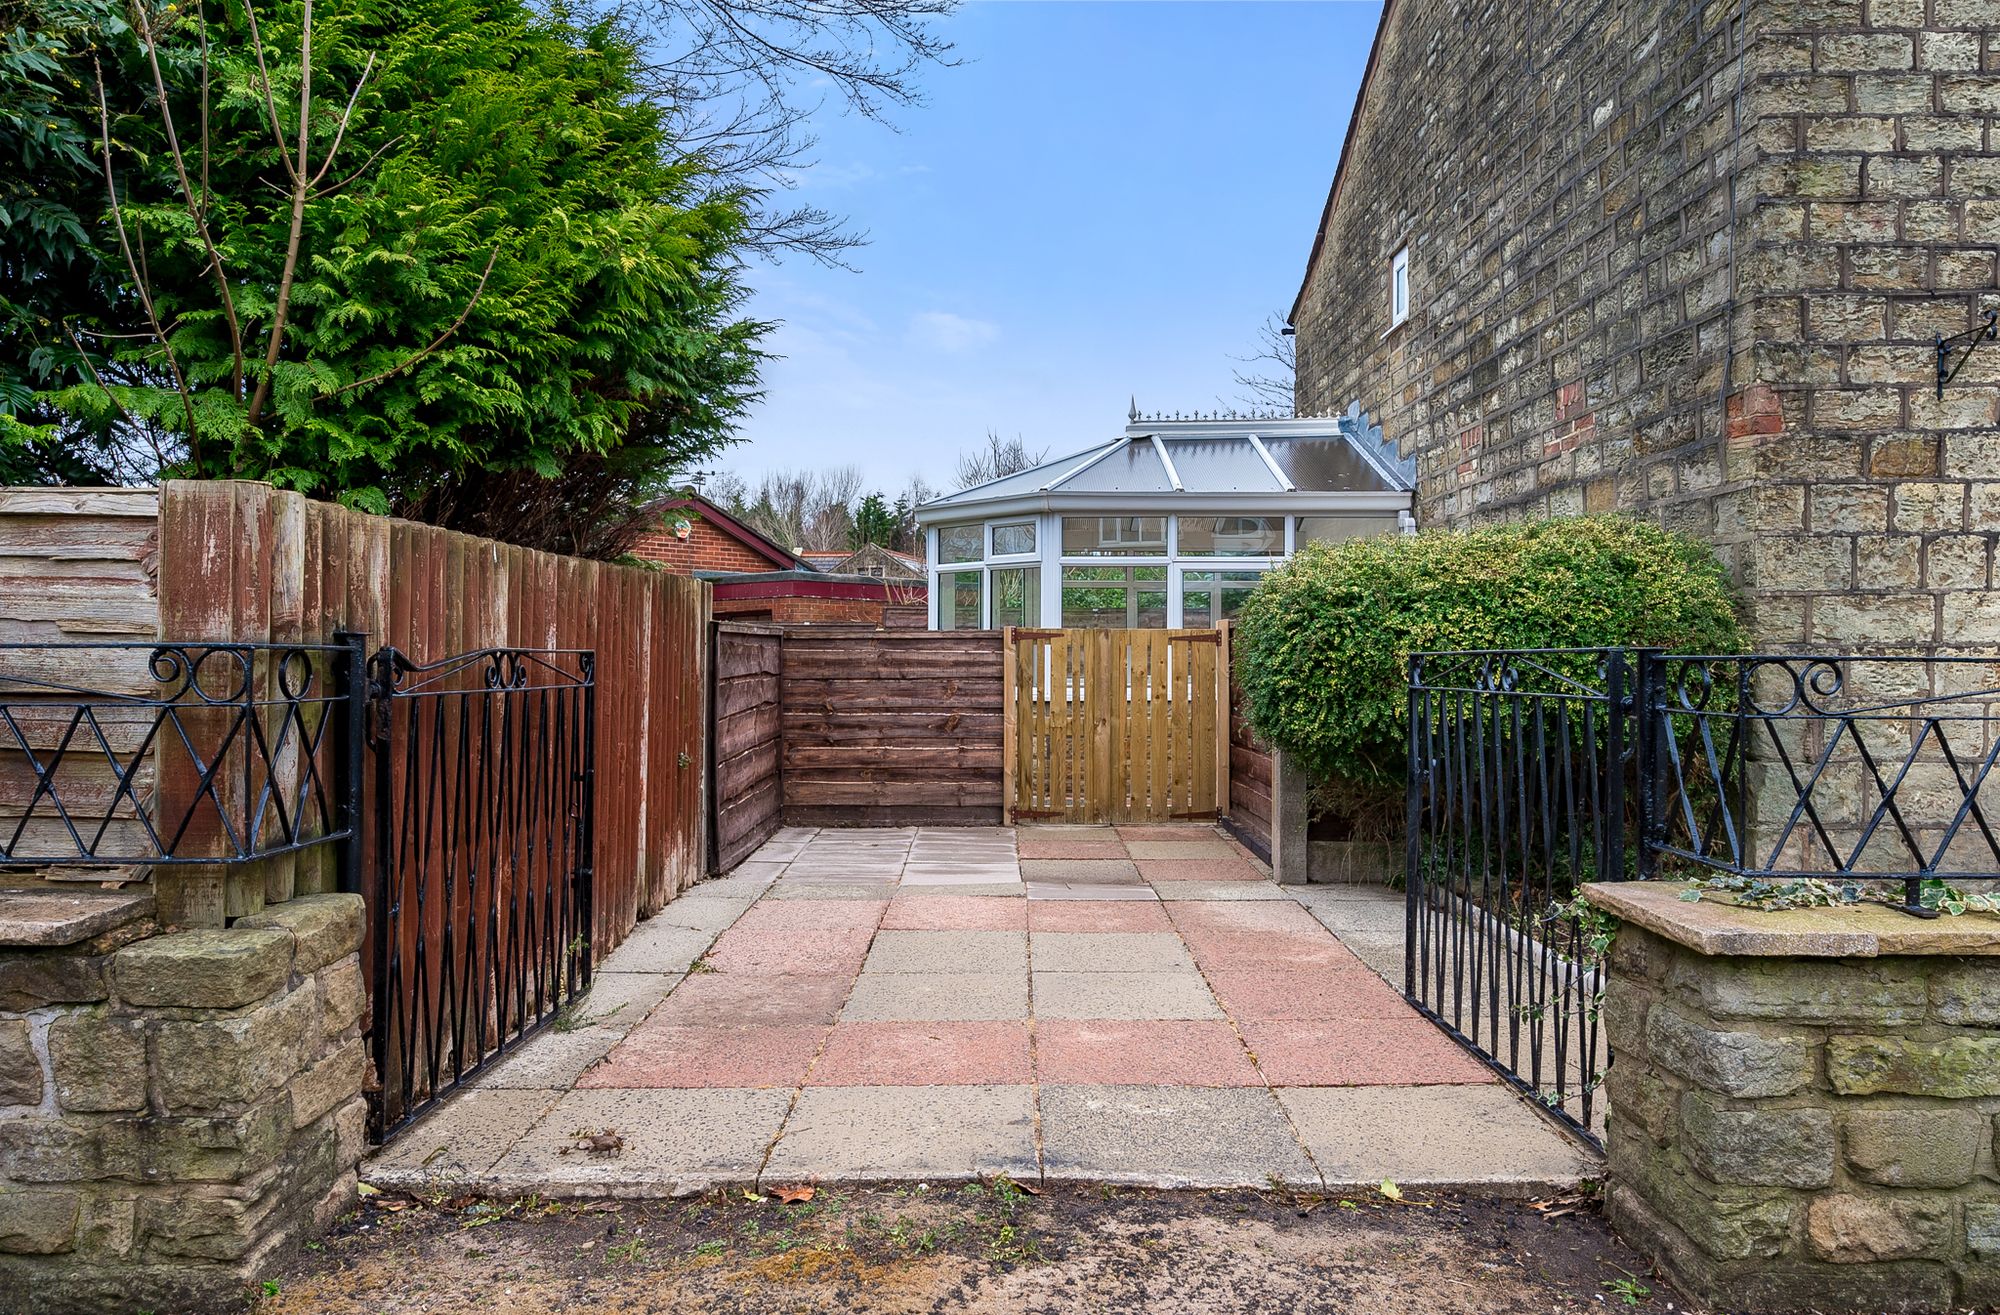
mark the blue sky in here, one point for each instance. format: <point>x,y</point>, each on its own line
<point>1106,197</point>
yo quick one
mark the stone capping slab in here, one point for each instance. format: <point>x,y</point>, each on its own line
<point>1858,932</point>
<point>47,918</point>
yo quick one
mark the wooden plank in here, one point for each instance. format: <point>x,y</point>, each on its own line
<point>1219,728</point>
<point>197,589</point>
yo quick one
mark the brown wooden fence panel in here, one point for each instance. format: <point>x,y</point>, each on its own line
<point>1116,725</point>
<point>1249,814</point>
<point>241,560</point>
<point>892,727</point>
<point>746,739</point>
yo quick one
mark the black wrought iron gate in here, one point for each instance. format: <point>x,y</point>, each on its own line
<point>1818,777</point>
<point>481,841</point>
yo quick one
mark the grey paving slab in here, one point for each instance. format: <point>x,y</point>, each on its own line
<point>1344,892</point>
<point>1110,952</point>
<point>1123,995</point>
<point>1383,953</point>
<point>841,873</point>
<point>948,952</point>
<point>968,890</point>
<point>710,913</point>
<point>757,869</point>
<point>461,1139</point>
<point>618,1000</point>
<point>743,888</point>
<point>850,1133</point>
<point>1081,871</point>
<point>660,948</point>
<point>1064,890</point>
<point>829,890</point>
<point>1171,1137</point>
<point>675,1142</point>
<point>1456,1136</point>
<point>1219,890</point>
<point>928,997</point>
<point>550,1060</point>
<point>1369,916</point>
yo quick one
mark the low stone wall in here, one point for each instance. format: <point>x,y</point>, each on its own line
<point>173,1107</point>
<point>1805,1106</point>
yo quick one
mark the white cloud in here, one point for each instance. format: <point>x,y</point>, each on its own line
<point>940,330</point>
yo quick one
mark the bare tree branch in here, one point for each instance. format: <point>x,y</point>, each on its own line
<point>1271,379</point>
<point>434,343</point>
<point>996,459</point>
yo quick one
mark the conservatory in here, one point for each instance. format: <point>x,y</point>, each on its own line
<point>1172,524</point>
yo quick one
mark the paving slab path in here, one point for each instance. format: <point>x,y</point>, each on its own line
<point>1137,1005</point>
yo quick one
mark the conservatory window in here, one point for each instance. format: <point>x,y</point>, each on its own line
<point>1232,536</point>
<point>1336,529</point>
<point>961,543</point>
<point>1017,596</point>
<point>1012,538</point>
<point>1115,597</point>
<point>1114,536</point>
<point>959,600</point>
<point>1211,596</point>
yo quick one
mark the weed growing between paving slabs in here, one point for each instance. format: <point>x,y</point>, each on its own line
<point>982,1246</point>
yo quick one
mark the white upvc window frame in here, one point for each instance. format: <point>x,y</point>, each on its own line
<point>1399,286</point>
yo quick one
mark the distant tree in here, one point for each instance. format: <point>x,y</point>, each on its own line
<point>874,522</point>
<point>996,458</point>
<point>909,536</point>
<point>740,79</point>
<point>805,510</point>
<point>1270,375</point>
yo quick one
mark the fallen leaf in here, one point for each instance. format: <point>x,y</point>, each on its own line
<point>1390,1190</point>
<point>793,1195</point>
<point>367,1189</point>
<point>749,1195</point>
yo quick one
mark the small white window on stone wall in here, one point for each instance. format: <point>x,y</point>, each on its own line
<point>1399,288</point>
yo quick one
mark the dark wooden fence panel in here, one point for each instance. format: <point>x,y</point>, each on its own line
<point>746,742</point>
<point>244,561</point>
<point>892,727</point>
<point>1249,813</point>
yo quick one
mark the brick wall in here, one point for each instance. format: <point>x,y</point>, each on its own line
<point>705,549</point>
<point>1654,276</point>
<point>825,611</point>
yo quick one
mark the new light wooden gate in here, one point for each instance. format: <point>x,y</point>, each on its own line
<point>1116,725</point>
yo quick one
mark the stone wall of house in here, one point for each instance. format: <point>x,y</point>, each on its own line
<point>1876,192</point>
<point>1800,1132</point>
<point>176,1107</point>
<point>1654,273</point>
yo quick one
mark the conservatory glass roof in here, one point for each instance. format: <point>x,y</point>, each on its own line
<point>1261,459</point>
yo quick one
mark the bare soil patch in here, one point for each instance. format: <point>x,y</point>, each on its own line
<point>989,1247</point>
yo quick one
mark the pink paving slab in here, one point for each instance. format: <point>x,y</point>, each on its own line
<point>1096,915</point>
<point>1359,1052</point>
<point>923,1055</point>
<point>1052,847</point>
<point>1267,949</point>
<point>1198,869</point>
<point>839,951</point>
<point>1306,993</point>
<point>657,1055</point>
<point>956,913</point>
<point>1168,831</point>
<point>1184,1053</point>
<point>1241,915</point>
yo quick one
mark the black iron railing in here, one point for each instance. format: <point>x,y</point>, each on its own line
<point>182,753</point>
<point>1532,772</point>
<point>1852,770</point>
<point>483,834</point>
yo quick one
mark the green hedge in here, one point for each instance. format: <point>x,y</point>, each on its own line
<point>1324,643</point>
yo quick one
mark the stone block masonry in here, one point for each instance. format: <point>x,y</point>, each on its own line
<point>1805,1107</point>
<point>174,1108</point>
<point>1687,261</point>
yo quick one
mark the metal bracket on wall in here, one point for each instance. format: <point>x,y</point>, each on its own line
<point>1946,370</point>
